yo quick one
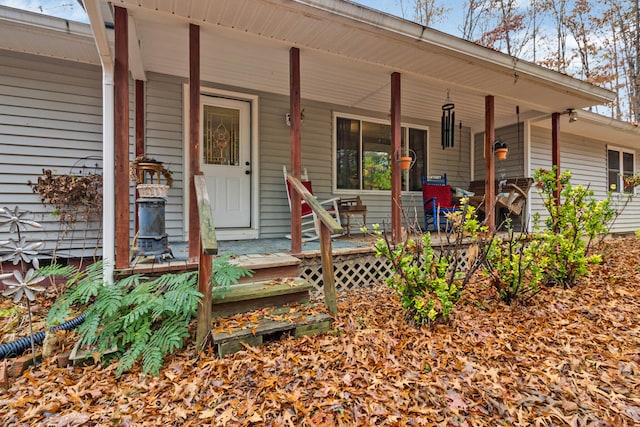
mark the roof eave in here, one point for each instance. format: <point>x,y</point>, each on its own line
<point>456,46</point>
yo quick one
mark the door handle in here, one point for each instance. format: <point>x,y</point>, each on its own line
<point>247,172</point>
<point>247,163</point>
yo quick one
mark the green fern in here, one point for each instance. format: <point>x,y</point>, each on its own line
<point>146,319</point>
<point>226,274</point>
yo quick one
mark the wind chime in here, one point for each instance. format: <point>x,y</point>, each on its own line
<point>448,124</point>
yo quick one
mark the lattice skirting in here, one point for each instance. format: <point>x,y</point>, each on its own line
<point>354,271</point>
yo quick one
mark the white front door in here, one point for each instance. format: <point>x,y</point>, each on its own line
<point>226,160</point>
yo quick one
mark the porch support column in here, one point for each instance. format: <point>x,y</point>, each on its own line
<point>295,140</point>
<point>396,133</point>
<point>121,118</point>
<point>194,138</point>
<point>489,166</point>
<point>555,153</point>
<point>139,125</point>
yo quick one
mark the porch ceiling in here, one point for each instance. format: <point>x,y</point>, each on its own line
<point>347,55</point>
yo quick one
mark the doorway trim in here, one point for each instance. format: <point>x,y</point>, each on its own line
<point>252,232</point>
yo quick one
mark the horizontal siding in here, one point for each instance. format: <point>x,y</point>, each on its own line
<point>586,159</point>
<point>164,142</point>
<point>513,165</point>
<point>50,118</point>
<point>455,161</point>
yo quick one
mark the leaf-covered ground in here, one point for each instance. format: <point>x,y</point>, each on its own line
<point>571,357</point>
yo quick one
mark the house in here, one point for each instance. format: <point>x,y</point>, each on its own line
<point>326,85</point>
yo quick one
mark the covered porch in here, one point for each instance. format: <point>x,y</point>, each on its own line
<point>315,62</point>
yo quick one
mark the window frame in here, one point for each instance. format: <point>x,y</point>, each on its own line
<point>620,184</point>
<point>405,150</point>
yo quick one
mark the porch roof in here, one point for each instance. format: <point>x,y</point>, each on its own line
<point>348,52</point>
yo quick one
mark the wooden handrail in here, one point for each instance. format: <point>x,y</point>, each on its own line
<point>208,238</point>
<point>328,226</point>
<point>323,215</point>
<point>208,247</point>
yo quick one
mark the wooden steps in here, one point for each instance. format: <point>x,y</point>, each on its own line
<point>251,296</point>
<point>229,342</point>
<point>268,266</point>
<point>271,295</point>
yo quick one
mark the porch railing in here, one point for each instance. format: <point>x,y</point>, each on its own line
<point>208,247</point>
<point>328,226</point>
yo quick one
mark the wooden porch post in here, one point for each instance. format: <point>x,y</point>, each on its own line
<point>489,166</point>
<point>139,125</point>
<point>121,117</point>
<point>396,140</point>
<point>194,138</point>
<point>555,152</point>
<point>295,140</point>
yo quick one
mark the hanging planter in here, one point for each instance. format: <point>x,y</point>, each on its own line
<point>405,163</point>
<point>501,150</point>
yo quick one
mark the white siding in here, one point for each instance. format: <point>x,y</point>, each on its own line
<point>586,159</point>
<point>50,118</point>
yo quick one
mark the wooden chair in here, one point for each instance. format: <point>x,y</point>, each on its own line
<point>310,230</point>
<point>513,199</point>
<point>437,202</point>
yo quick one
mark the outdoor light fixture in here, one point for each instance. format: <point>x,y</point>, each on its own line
<point>287,117</point>
<point>573,115</point>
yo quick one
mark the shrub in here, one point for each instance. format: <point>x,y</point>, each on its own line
<point>514,266</point>
<point>570,227</point>
<point>420,279</point>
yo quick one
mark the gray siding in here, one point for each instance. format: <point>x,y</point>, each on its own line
<point>50,118</point>
<point>513,165</point>
<point>586,159</point>
<point>164,142</point>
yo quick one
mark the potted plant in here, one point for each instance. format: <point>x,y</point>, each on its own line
<point>501,150</point>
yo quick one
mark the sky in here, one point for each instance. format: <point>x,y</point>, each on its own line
<point>70,9</point>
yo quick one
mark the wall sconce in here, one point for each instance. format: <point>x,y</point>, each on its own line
<point>406,162</point>
<point>501,150</point>
<point>573,115</point>
<point>287,117</point>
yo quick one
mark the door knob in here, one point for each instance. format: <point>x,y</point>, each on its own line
<point>247,172</point>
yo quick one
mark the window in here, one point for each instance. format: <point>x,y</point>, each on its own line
<point>363,155</point>
<point>620,164</point>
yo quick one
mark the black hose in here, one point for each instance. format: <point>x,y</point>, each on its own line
<point>16,348</point>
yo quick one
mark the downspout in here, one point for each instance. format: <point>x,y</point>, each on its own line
<point>96,19</point>
<point>109,176</point>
